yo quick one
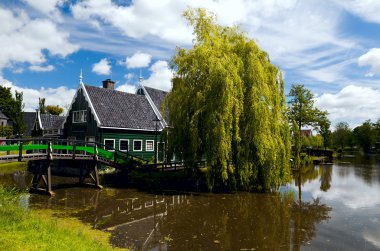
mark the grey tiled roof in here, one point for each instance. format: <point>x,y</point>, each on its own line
<point>157,96</point>
<point>2,115</point>
<point>51,122</point>
<point>121,109</point>
<point>29,118</point>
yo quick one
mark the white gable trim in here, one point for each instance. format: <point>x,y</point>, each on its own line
<point>155,109</point>
<point>39,120</point>
<point>87,97</point>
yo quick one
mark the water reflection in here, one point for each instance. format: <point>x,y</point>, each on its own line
<point>228,222</point>
<point>333,207</point>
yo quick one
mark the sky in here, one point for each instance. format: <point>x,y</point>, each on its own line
<point>330,46</point>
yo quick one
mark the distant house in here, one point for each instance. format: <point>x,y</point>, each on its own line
<point>307,132</point>
<point>3,119</point>
<point>29,120</point>
<point>119,120</point>
<point>47,125</point>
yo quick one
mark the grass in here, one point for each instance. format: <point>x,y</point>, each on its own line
<point>23,229</point>
<point>13,166</point>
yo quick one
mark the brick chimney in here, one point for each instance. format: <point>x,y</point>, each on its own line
<point>109,84</point>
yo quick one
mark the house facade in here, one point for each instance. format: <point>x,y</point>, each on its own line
<point>48,125</point>
<point>118,120</point>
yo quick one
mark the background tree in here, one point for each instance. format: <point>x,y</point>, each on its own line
<point>41,105</point>
<point>6,101</point>
<point>227,105</point>
<point>365,136</point>
<point>54,110</point>
<point>324,131</point>
<point>341,135</point>
<point>17,114</point>
<point>301,108</point>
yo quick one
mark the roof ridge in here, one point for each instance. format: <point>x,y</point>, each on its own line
<point>111,90</point>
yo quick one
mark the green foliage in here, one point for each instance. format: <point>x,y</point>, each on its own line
<point>13,166</point>
<point>342,135</point>
<point>227,105</point>
<point>21,229</point>
<point>6,131</point>
<point>365,135</point>
<point>17,116</point>
<point>301,108</point>
<point>6,101</point>
<point>324,130</point>
<point>54,110</point>
<point>13,107</point>
<point>301,112</point>
<point>297,144</point>
<point>41,105</point>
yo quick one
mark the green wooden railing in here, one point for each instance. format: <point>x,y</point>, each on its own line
<point>21,147</point>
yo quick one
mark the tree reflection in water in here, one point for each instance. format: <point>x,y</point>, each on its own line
<point>244,221</point>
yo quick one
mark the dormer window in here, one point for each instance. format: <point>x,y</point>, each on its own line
<point>79,116</point>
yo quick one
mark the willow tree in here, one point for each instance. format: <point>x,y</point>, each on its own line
<point>227,106</point>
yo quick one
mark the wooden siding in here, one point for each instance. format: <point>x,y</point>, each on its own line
<point>81,130</point>
<point>131,135</point>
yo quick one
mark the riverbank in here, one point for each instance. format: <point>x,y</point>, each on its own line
<point>25,229</point>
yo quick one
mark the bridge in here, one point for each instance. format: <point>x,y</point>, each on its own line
<point>42,151</point>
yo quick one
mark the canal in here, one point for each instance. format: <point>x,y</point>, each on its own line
<point>327,207</point>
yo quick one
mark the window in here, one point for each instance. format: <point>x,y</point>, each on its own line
<point>123,145</point>
<point>109,144</point>
<point>79,116</point>
<point>149,145</point>
<point>137,145</point>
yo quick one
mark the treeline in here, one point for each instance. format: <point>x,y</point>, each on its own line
<point>362,137</point>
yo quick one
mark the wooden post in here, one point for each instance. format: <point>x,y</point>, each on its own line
<point>74,149</point>
<point>48,169</point>
<point>97,184</point>
<point>114,157</point>
<point>20,151</point>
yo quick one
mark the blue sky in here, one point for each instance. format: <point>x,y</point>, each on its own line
<point>332,47</point>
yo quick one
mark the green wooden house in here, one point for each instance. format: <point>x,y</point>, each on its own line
<point>119,120</point>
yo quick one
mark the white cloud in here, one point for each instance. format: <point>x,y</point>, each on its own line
<point>160,77</point>
<point>138,60</point>
<point>142,18</point>
<point>23,40</point>
<point>61,95</point>
<point>103,67</point>
<point>47,7</point>
<point>366,9</point>
<point>353,104</point>
<point>40,68</point>
<point>130,88</point>
<point>371,58</point>
<point>361,195</point>
<point>302,35</point>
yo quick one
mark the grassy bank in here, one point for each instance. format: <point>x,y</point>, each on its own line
<point>23,229</point>
<point>13,166</point>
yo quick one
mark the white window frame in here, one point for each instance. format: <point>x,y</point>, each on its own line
<point>82,115</point>
<point>120,145</point>
<point>146,145</point>
<point>134,145</point>
<point>104,142</point>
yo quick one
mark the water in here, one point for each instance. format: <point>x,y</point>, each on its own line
<point>337,207</point>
